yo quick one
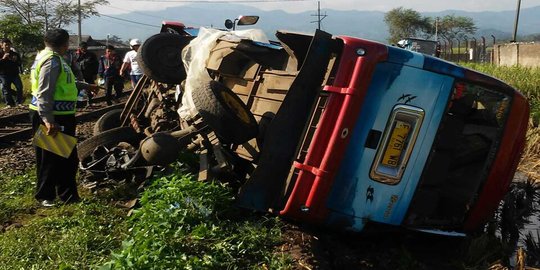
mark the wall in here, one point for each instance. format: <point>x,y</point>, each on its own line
<point>524,54</point>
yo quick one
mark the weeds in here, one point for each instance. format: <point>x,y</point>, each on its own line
<point>184,224</point>
<point>530,160</point>
<point>532,243</point>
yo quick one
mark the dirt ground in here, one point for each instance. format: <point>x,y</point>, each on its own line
<point>378,247</point>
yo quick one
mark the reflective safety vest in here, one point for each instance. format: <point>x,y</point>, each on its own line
<point>65,93</point>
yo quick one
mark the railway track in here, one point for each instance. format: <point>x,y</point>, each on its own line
<point>17,127</point>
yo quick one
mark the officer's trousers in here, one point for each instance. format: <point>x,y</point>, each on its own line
<point>56,174</point>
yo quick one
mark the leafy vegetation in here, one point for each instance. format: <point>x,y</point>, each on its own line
<point>404,23</point>
<point>26,37</point>
<point>452,26</point>
<point>25,21</point>
<point>51,13</point>
<point>185,224</point>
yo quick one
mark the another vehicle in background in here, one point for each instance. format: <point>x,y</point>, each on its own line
<point>425,46</point>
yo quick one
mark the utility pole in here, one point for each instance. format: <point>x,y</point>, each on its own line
<point>514,36</point>
<point>436,29</point>
<point>79,38</point>
<point>320,16</point>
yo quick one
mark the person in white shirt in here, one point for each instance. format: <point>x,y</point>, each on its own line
<point>130,61</point>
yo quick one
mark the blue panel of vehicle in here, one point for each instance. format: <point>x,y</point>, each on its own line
<point>355,197</point>
<point>267,45</point>
<point>405,57</point>
<point>441,66</point>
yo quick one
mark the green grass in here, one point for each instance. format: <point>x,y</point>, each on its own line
<point>68,237</point>
<point>16,195</point>
<point>76,236</point>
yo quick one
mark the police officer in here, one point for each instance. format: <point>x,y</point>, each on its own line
<point>54,95</point>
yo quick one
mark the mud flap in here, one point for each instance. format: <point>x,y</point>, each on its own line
<point>263,190</point>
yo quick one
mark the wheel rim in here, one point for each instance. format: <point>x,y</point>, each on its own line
<point>238,109</point>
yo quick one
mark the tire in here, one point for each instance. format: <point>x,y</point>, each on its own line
<point>224,112</point>
<point>107,121</point>
<point>107,138</point>
<point>160,57</point>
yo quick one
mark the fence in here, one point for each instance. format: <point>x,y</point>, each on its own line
<point>466,50</point>
<point>476,50</point>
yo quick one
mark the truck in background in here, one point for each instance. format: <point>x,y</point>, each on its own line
<point>425,46</point>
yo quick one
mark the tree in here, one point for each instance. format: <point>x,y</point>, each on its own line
<point>451,27</point>
<point>25,37</point>
<point>51,13</point>
<point>403,23</point>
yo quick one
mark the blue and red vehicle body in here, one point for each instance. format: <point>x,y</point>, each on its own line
<point>345,179</point>
<point>394,141</point>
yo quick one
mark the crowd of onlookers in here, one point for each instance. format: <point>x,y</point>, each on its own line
<point>110,68</point>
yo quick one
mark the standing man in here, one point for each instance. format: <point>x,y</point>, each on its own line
<point>130,61</point>
<point>109,69</point>
<point>54,95</point>
<point>10,68</point>
<point>88,64</point>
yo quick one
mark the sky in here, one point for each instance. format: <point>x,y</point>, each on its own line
<point>295,6</point>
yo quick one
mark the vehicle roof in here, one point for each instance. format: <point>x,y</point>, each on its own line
<point>441,66</point>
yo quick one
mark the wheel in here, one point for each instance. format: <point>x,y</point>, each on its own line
<point>224,112</point>
<point>108,120</point>
<point>107,138</point>
<point>160,57</point>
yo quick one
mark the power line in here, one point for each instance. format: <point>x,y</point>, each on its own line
<point>120,19</point>
<point>119,23</point>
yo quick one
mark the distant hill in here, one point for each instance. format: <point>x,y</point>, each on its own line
<point>365,24</point>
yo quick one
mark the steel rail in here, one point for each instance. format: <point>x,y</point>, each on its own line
<point>20,131</point>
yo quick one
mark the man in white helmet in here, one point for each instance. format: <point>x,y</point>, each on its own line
<point>130,61</point>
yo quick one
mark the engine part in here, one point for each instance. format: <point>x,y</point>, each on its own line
<point>160,149</point>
